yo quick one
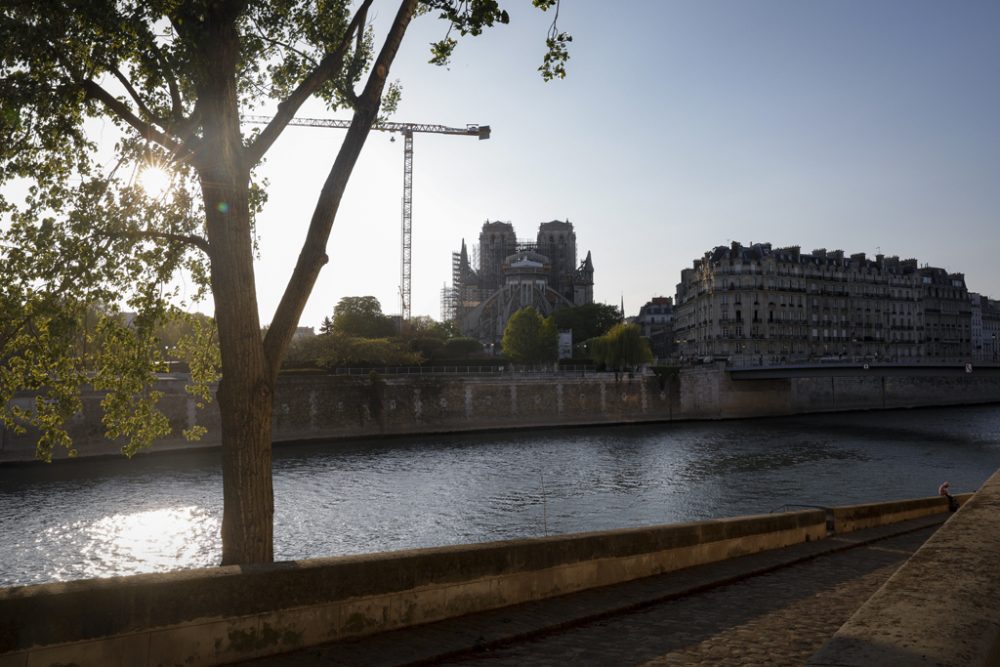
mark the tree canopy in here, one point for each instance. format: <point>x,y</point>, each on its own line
<point>529,338</point>
<point>621,348</point>
<point>587,321</point>
<point>362,317</point>
<point>173,78</point>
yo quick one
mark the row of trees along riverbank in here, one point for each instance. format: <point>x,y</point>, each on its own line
<point>360,334</point>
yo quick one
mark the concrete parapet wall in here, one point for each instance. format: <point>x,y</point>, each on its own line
<point>218,615</point>
<point>941,608</point>
<point>213,616</point>
<point>849,518</point>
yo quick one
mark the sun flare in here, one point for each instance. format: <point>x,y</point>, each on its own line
<point>154,180</point>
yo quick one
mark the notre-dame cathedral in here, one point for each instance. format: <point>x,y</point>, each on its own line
<point>506,274</point>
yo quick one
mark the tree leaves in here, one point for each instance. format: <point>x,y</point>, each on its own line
<point>85,245</point>
<point>620,348</point>
<point>471,17</point>
<point>530,339</point>
<point>361,317</point>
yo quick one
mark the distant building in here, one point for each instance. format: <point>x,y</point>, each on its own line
<point>303,332</point>
<point>759,304</point>
<point>989,349</point>
<point>656,320</point>
<point>506,274</point>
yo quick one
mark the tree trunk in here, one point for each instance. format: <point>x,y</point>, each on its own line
<point>249,362</point>
<point>246,390</point>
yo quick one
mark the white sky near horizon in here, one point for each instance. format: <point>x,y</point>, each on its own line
<point>682,125</point>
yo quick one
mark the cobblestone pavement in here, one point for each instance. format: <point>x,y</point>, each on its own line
<point>778,618</point>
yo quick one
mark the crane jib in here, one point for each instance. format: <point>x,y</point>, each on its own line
<point>481,131</point>
<point>407,130</point>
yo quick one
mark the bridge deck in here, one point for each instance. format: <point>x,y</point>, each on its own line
<point>775,607</point>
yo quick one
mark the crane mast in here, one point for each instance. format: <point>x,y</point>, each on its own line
<point>407,130</point>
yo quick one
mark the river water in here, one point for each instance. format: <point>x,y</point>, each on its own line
<point>98,518</point>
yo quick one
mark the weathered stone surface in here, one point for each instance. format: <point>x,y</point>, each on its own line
<point>323,407</point>
<point>942,608</point>
<point>220,613</point>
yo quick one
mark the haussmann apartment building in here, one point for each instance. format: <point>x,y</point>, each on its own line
<point>758,305</point>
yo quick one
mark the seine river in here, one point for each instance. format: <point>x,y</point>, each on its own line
<point>98,518</point>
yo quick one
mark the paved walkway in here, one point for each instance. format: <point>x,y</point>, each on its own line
<point>774,608</point>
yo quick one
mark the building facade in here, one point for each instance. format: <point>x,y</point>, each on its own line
<point>655,318</point>
<point>762,305</point>
<point>505,274</point>
<point>986,345</point>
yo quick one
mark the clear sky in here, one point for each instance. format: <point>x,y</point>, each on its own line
<point>858,125</point>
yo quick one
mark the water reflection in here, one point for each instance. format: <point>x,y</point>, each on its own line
<point>103,518</point>
<point>131,543</point>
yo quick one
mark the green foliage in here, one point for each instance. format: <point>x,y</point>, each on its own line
<point>198,345</point>
<point>467,18</point>
<point>428,348</point>
<point>471,17</point>
<point>361,317</point>
<point>556,43</point>
<point>423,326</point>
<point>338,350</point>
<point>165,82</point>
<point>55,351</point>
<point>529,339</point>
<point>621,348</point>
<point>461,348</point>
<point>588,321</point>
<point>86,237</point>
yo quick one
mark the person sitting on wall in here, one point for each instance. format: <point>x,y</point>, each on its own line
<point>945,490</point>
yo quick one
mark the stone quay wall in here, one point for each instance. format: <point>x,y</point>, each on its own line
<point>335,407</point>
<point>218,615</point>
<point>942,607</point>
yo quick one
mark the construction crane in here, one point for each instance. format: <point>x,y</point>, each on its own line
<point>407,130</point>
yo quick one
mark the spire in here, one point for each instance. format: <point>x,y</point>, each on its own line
<point>623,306</point>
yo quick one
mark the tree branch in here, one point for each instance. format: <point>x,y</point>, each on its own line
<point>323,72</point>
<point>116,106</point>
<point>176,104</point>
<point>134,94</point>
<point>313,256</point>
<point>190,239</point>
<point>285,45</point>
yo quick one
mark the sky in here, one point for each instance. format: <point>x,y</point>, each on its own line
<point>867,126</point>
<point>682,125</point>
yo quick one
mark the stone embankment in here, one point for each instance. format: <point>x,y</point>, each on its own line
<point>941,608</point>
<point>336,407</point>
<point>218,615</point>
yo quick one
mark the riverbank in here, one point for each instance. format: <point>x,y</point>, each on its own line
<point>218,615</point>
<point>337,408</point>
